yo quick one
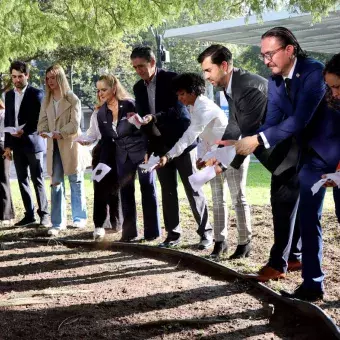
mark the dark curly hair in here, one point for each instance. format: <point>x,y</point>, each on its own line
<point>286,37</point>
<point>333,67</point>
<point>190,83</point>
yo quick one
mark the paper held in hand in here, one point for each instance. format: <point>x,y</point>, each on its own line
<point>335,177</point>
<point>48,134</point>
<point>84,138</point>
<point>199,178</point>
<point>100,172</point>
<point>136,120</point>
<point>13,130</point>
<point>224,155</point>
<point>151,164</point>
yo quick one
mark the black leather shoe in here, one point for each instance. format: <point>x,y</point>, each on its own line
<point>219,248</point>
<point>128,239</point>
<point>303,293</point>
<point>25,222</point>
<point>169,243</point>
<point>205,243</point>
<point>242,250</point>
<point>149,239</point>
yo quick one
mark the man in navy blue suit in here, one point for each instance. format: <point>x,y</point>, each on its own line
<point>295,90</point>
<point>321,156</point>
<point>167,119</point>
<point>22,106</point>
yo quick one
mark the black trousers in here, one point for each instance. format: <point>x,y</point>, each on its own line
<point>185,165</point>
<point>107,211</point>
<point>6,204</point>
<point>34,162</point>
<point>285,201</point>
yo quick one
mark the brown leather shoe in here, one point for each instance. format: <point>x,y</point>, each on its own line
<point>266,273</point>
<point>294,266</point>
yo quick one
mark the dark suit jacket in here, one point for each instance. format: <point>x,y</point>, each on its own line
<point>172,117</point>
<point>247,111</point>
<point>129,140</point>
<point>287,117</point>
<point>29,115</point>
<point>323,135</point>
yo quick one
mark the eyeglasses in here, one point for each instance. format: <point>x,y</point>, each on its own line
<point>269,55</point>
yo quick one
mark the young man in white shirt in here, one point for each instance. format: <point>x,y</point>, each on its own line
<point>209,122</point>
<point>22,107</point>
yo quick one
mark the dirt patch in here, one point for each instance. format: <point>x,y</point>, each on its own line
<point>127,293</point>
<point>54,292</point>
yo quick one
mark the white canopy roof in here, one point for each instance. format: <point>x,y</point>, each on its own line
<point>319,37</point>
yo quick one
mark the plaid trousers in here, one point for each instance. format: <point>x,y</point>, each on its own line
<point>236,180</point>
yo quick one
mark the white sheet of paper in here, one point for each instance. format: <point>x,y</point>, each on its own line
<point>151,164</point>
<point>49,134</point>
<point>100,172</point>
<point>224,155</point>
<point>13,130</point>
<point>335,177</point>
<point>136,120</point>
<point>198,179</point>
<point>85,138</point>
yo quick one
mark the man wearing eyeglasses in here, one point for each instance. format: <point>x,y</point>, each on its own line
<point>295,90</point>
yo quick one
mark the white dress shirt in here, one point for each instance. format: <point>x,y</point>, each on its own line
<point>17,102</point>
<point>290,76</point>
<point>228,90</point>
<point>2,124</point>
<point>93,130</point>
<point>208,122</point>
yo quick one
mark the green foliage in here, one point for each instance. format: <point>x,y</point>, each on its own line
<point>30,28</point>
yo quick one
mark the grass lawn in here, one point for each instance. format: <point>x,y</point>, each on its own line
<point>258,190</point>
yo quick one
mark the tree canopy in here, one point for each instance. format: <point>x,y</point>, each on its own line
<point>30,28</point>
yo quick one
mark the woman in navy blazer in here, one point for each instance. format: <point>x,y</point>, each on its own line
<point>321,156</point>
<point>131,147</point>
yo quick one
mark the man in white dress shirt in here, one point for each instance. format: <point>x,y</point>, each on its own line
<point>22,107</point>
<point>209,123</point>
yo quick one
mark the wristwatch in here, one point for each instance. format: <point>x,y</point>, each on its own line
<point>260,140</point>
<point>224,168</point>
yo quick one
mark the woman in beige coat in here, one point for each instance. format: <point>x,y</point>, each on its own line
<point>59,121</point>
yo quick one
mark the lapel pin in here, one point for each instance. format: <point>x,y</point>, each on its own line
<point>297,75</point>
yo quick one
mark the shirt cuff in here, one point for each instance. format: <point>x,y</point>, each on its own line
<point>265,141</point>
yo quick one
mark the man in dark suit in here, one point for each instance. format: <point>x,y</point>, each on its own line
<point>295,90</point>
<point>167,119</point>
<point>247,97</point>
<point>23,107</point>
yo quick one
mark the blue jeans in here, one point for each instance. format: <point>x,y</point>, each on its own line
<point>58,201</point>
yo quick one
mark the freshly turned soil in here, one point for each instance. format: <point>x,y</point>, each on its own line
<point>53,292</point>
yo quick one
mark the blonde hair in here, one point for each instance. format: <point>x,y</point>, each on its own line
<point>2,104</point>
<point>60,75</point>
<point>113,82</point>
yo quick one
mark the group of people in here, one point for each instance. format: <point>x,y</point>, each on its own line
<point>36,116</point>
<point>288,122</point>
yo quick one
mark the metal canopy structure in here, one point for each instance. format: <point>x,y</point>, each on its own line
<point>321,37</point>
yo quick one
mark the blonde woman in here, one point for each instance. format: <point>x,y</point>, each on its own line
<point>60,121</point>
<point>107,211</point>
<point>130,148</point>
